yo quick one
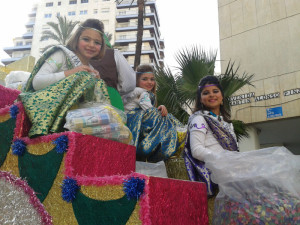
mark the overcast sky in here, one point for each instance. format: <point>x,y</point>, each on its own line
<point>182,24</point>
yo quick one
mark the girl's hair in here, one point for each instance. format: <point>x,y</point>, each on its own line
<point>206,81</point>
<point>142,69</point>
<point>88,24</point>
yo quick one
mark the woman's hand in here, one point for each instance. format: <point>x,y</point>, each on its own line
<point>163,110</point>
<point>82,68</point>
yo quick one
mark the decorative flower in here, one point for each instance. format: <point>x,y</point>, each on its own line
<point>69,189</point>
<point>61,144</point>
<point>14,110</point>
<point>18,147</point>
<point>134,187</point>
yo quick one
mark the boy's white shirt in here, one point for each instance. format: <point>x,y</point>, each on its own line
<point>138,98</point>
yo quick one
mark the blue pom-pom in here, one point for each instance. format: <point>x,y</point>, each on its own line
<point>18,147</point>
<point>61,144</point>
<point>14,110</point>
<point>134,187</point>
<point>69,189</point>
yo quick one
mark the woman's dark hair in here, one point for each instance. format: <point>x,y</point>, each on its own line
<point>144,68</point>
<point>89,23</point>
<point>206,81</point>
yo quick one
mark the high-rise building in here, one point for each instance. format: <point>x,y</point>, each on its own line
<point>22,45</point>
<point>120,20</point>
<point>263,37</point>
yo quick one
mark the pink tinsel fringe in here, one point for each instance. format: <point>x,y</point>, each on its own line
<point>46,218</point>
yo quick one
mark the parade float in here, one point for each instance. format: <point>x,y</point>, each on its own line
<point>72,178</point>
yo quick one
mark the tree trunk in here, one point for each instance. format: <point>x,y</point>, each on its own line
<point>139,39</point>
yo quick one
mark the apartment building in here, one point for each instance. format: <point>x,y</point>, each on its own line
<point>22,45</point>
<point>263,37</point>
<point>119,20</point>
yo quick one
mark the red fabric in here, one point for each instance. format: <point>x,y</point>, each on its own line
<point>97,157</point>
<point>8,96</point>
<point>177,202</point>
<point>23,123</point>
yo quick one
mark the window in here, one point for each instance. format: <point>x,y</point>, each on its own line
<point>95,11</point>
<point>105,0</point>
<point>58,14</point>
<point>59,3</point>
<point>122,37</point>
<point>83,12</point>
<point>72,2</point>
<point>84,1</point>
<point>49,4</point>
<point>28,43</point>
<point>72,13</point>
<point>105,10</point>
<point>47,15</point>
<point>19,43</point>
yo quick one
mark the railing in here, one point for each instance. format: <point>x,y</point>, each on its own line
<point>134,2</point>
<point>129,37</point>
<point>122,25</point>
<point>131,12</point>
<point>132,49</point>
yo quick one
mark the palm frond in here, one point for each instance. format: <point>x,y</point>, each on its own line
<point>231,81</point>
<point>61,31</point>
<point>240,129</point>
<point>47,34</point>
<point>167,94</point>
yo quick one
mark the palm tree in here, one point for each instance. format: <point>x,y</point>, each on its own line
<point>178,93</point>
<point>61,31</point>
<point>140,30</point>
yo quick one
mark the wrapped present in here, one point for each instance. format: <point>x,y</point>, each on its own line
<point>99,120</point>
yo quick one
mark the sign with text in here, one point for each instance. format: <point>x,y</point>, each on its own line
<point>274,112</point>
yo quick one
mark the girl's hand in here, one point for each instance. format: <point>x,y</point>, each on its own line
<point>163,110</point>
<point>96,74</point>
<point>80,69</point>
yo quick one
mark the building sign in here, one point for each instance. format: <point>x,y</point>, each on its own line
<point>267,97</point>
<point>291,92</point>
<point>274,112</point>
<point>249,97</point>
<point>246,98</point>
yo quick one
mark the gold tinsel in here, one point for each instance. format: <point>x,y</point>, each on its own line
<point>4,118</point>
<point>103,193</point>
<point>60,210</point>
<point>11,164</point>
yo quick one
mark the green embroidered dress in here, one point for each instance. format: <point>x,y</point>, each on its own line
<point>47,108</point>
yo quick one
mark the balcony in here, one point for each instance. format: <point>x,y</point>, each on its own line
<point>161,53</point>
<point>162,43</point>
<point>10,60</point>
<point>32,14</point>
<point>127,3</point>
<point>128,15</point>
<point>27,35</point>
<point>126,39</point>
<point>30,24</point>
<point>10,50</point>
<point>130,51</point>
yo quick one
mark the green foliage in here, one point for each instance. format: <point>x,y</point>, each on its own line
<point>178,93</point>
<point>60,32</point>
